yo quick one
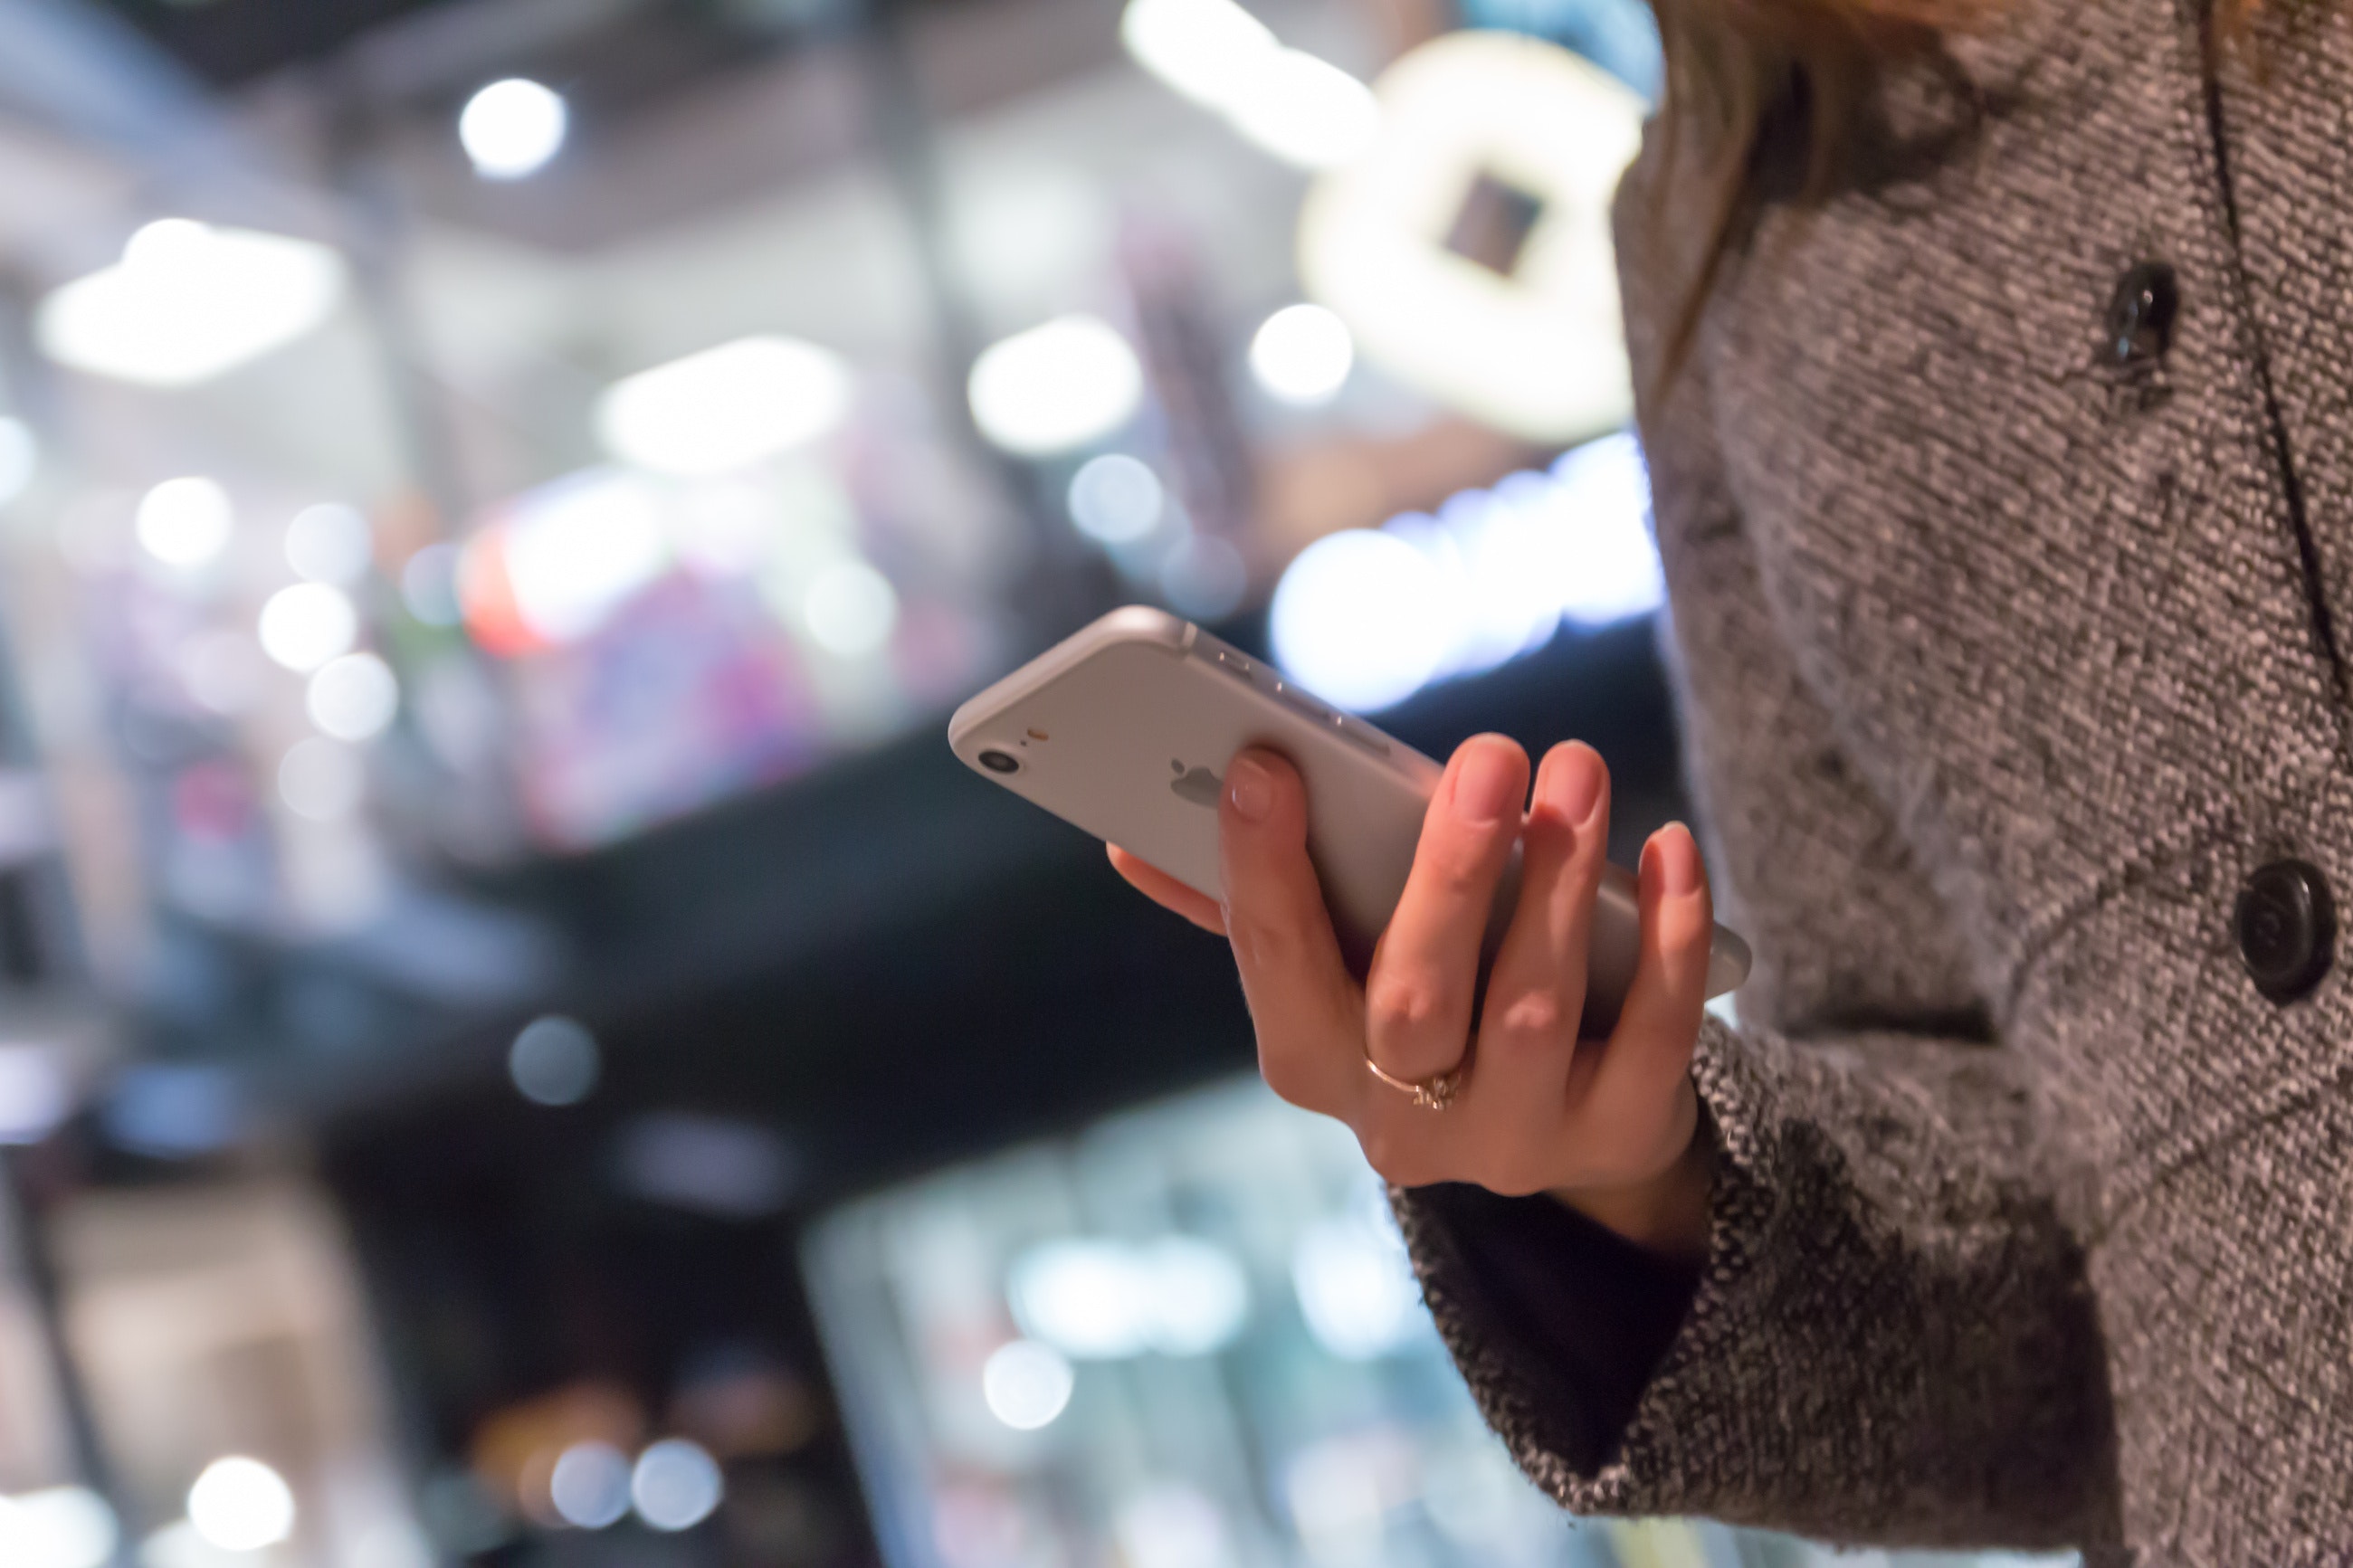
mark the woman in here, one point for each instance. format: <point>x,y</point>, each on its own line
<point>2004,481</point>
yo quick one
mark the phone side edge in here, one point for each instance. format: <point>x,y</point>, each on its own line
<point>1129,623</point>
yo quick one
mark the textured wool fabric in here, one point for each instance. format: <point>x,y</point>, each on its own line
<point>2003,667</point>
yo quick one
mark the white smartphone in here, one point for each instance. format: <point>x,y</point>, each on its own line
<point>1125,727</point>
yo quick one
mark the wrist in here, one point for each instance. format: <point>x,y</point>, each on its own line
<point>1666,1214</point>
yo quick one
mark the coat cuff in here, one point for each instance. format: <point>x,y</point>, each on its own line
<point>1589,1355</point>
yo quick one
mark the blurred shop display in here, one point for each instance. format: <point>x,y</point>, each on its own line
<point>639,410</point>
<point>231,1367</point>
<point>1185,1336</point>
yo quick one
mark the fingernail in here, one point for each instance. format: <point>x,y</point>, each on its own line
<point>1482,790</point>
<point>1577,785</point>
<point>1252,790</point>
<point>1678,860</point>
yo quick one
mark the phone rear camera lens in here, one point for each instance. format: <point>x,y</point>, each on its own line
<point>1000,761</point>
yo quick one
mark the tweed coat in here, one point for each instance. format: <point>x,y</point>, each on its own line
<point>2003,666</point>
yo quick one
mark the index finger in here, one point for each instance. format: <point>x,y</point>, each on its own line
<point>1306,1006</point>
<point>1168,892</point>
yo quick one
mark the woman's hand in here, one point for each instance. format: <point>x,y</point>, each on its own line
<point>1607,1126</point>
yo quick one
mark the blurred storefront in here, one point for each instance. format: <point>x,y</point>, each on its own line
<point>517,1044</point>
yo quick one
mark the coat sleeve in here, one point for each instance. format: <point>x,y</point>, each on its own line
<point>1891,1338</point>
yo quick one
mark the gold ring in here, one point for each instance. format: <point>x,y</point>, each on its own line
<point>1431,1093</point>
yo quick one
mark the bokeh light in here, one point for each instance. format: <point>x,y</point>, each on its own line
<point>725,407</point>
<point>512,128</point>
<point>851,609</point>
<point>676,1484</point>
<point>1303,110</point>
<point>1026,1385</point>
<point>330,544</point>
<point>304,626</point>
<point>554,1061</point>
<point>185,522</point>
<point>20,458</point>
<point>590,1485</point>
<point>1204,577</point>
<point>429,584</point>
<point>1100,1300</point>
<point>1353,619</point>
<point>1356,1289</point>
<point>240,1504</point>
<point>1302,355</point>
<point>353,698</point>
<point>33,1093</point>
<point>59,1527</point>
<point>1367,617</point>
<point>1056,387</point>
<point>223,670</point>
<point>321,780</point>
<point>1116,499</point>
<point>189,303</point>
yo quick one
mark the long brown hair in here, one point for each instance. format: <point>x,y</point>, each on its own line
<point>1773,96</point>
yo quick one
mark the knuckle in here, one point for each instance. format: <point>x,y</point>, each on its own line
<point>1459,863</point>
<point>1402,1003</point>
<point>1536,1016</point>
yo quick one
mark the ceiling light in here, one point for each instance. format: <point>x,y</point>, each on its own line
<point>1056,387</point>
<point>1302,355</point>
<point>188,302</point>
<point>512,128</point>
<point>726,407</point>
<point>1202,48</point>
<point>1304,110</point>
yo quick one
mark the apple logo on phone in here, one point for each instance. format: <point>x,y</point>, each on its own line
<point>1197,785</point>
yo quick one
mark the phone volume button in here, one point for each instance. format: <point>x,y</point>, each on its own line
<point>1233,663</point>
<point>1364,734</point>
<point>1291,697</point>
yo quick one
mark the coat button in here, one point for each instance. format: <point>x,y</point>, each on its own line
<point>2286,927</point>
<point>2140,315</point>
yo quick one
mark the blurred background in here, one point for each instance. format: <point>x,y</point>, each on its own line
<point>518,1043</point>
